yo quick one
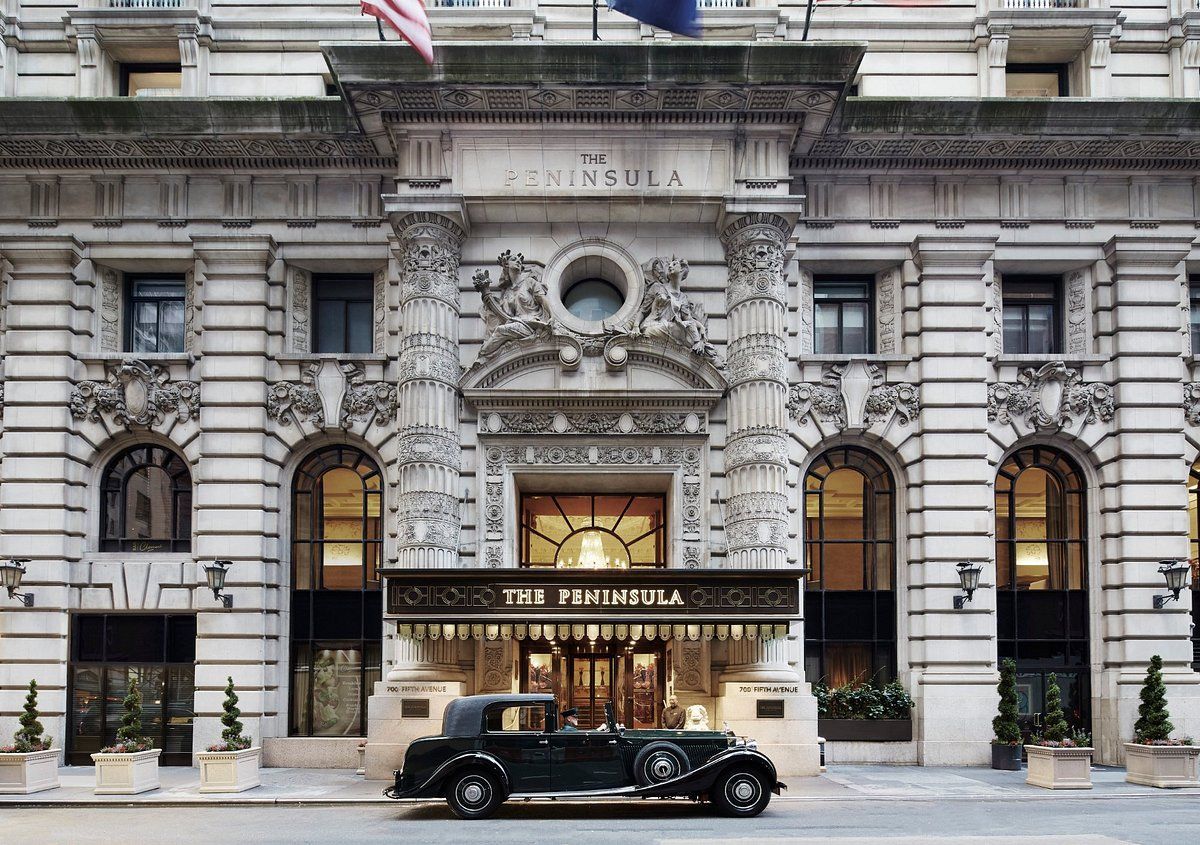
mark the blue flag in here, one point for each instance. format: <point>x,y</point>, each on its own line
<point>676,15</point>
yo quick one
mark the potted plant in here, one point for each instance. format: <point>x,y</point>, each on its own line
<point>1006,746</point>
<point>29,764</point>
<point>130,766</point>
<point>232,764</point>
<point>859,712</point>
<point>1153,758</point>
<point>1059,758</point>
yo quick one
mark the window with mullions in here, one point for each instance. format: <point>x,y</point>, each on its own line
<point>1194,312</point>
<point>337,610</point>
<point>146,502</point>
<point>1032,315</point>
<point>1194,534</point>
<point>593,532</point>
<point>850,550</point>
<point>842,315</point>
<point>155,313</point>
<point>344,309</point>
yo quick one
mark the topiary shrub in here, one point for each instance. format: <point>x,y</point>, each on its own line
<point>1153,726</point>
<point>232,739</point>
<point>129,736</point>
<point>30,736</point>
<point>1056,733</point>
<point>1005,726</point>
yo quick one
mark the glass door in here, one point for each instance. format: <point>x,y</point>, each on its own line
<point>1031,700</point>
<point>592,679</point>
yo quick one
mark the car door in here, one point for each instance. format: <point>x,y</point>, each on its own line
<point>585,760</point>
<point>516,735</point>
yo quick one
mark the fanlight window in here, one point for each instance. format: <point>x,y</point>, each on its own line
<point>147,502</point>
<point>593,532</point>
<point>1039,522</point>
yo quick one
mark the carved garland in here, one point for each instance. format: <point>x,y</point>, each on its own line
<point>361,401</point>
<point>853,395</point>
<point>1050,397</point>
<point>136,393</point>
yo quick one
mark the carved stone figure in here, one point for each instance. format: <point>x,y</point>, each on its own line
<point>1191,402</point>
<point>515,305</point>
<point>667,313</point>
<point>1050,397</point>
<point>135,393</point>
<point>697,718</point>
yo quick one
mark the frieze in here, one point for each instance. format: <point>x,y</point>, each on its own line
<point>161,152</point>
<point>136,393</point>
<point>756,449</point>
<point>854,396</point>
<point>1051,397</point>
<point>592,423</point>
<point>426,448</point>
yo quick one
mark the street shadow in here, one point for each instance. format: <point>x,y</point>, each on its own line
<point>568,810</point>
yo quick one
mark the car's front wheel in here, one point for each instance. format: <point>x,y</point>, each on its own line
<point>740,792</point>
<point>473,794</point>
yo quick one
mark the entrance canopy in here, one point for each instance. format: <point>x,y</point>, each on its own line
<point>555,604</point>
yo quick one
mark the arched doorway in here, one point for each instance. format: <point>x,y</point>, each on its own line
<point>1042,581</point>
<point>1194,554</point>
<point>850,550</point>
<point>336,601</point>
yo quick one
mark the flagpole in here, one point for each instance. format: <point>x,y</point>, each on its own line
<point>595,20</point>
<point>807,20</point>
<point>379,26</point>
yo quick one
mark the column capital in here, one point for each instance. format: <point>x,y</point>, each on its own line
<point>411,226</point>
<point>1146,250</point>
<point>740,230</point>
<point>952,250</point>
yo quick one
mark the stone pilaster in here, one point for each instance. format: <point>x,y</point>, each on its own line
<point>1143,509</point>
<point>952,653</point>
<point>239,290</point>
<point>44,495</point>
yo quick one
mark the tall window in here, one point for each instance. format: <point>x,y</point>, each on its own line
<point>344,306</point>
<point>337,611</point>
<point>1194,312</point>
<point>842,315</point>
<point>1032,315</point>
<point>1041,580</point>
<point>850,548</point>
<point>155,313</point>
<point>146,502</point>
<point>1194,533</point>
<point>594,532</point>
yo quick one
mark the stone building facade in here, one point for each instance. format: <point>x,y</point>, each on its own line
<point>625,370</point>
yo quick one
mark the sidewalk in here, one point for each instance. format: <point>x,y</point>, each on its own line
<point>181,787</point>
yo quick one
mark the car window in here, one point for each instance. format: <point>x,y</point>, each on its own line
<point>526,717</point>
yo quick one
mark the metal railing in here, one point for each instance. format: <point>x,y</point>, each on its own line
<point>469,4</point>
<point>1045,4</point>
<point>141,4</point>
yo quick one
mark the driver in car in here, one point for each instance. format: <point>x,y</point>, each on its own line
<point>570,718</point>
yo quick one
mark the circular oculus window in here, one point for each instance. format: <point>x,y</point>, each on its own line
<point>593,299</point>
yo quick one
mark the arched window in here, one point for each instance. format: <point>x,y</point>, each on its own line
<point>594,532</point>
<point>337,612</point>
<point>146,502</point>
<point>1194,534</point>
<point>850,549</point>
<point>1041,579</point>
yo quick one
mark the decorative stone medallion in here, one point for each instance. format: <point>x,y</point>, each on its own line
<point>1051,397</point>
<point>136,393</point>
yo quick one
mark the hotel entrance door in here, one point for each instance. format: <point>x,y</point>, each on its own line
<point>585,676</point>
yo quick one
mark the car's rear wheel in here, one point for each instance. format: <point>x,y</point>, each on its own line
<point>740,792</point>
<point>473,794</point>
<point>658,763</point>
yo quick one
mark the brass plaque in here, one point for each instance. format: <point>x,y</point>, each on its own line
<point>415,708</point>
<point>770,708</point>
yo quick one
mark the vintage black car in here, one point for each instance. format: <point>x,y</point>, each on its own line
<point>496,747</point>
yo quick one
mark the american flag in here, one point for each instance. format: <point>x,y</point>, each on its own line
<point>408,18</point>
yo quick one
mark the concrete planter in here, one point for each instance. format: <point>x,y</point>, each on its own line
<point>1164,766</point>
<point>229,771</point>
<point>21,774</point>
<point>126,774</point>
<point>1059,768</point>
<point>865,730</point>
<point>1006,758</point>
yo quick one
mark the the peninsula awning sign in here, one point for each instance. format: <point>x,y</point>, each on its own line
<point>524,595</point>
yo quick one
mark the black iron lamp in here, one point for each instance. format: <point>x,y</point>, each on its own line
<point>215,573</point>
<point>968,580</point>
<point>11,573</point>
<point>1176,573</point>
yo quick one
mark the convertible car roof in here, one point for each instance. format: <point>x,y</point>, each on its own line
<point>464,716</point>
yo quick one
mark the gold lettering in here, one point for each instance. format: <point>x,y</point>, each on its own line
<point>576,596</point>
<point>564,596</point>
<point>591,597</point>
<point>539,596</point>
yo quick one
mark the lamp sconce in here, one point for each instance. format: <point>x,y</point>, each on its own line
<point>215,573</point>
<point>1177,575</point>
<point>968,580</point>
<point>11,573</point>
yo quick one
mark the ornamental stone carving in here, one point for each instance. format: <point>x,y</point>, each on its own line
<point>516,310</point>
<point>1049,398</point>
<point>668,314</point>
<point>289,401</point>
<point>329,391</point>
<point>136,393</point>
<point>853,396</point>
<point>596,422</point>
<point>1191,402</point>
